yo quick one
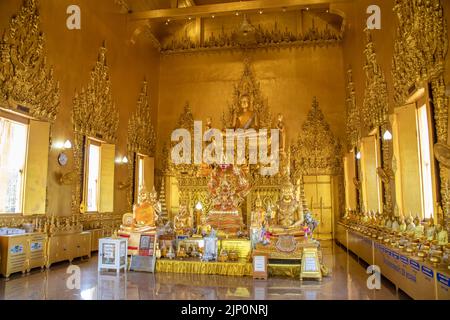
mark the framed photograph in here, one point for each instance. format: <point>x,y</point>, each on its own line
<point>147,245</point>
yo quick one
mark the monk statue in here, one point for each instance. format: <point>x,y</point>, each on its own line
<point>147,210</point>
<point>289,218</point>
<point>245,117</point>
<point>183,221</point>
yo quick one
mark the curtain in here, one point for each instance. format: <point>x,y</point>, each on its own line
<point>13,138</point>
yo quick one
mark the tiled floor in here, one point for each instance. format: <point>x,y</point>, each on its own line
<point>348,281</point>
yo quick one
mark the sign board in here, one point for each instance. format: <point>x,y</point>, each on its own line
<point>146,260</point>
<point>260,266</point>
<point>143,263</point>
<point>310,264</point>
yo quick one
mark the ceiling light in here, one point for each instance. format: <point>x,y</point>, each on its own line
<point>67,144</point>
<point>213,16</point>
<point>261,12</point>
<point>237,13</point>
<point>284,9</point>
<point>358,155</point>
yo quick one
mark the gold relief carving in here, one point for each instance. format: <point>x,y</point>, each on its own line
<point>248,36</point>
<point>376,102</point>
<point>94,115</point>
<point>420,49</point>
<point>24,76</point>
<point>420,46</point>
<point>317,151</point>
<point>353,117</point>
<point>248,86</point>
<point>141,136</point>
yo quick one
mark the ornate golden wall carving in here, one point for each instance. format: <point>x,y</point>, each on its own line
<point>376,102</point>
<point>141,135</point>
<point>94,115</point>
<point>25,78</point>
<point>316,151</point>
<point>353,117</point>
<point>420,50</point>
<point>255,37</point>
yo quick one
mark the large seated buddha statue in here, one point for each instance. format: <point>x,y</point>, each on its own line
<point>289,216</point>
<point>245,117</point>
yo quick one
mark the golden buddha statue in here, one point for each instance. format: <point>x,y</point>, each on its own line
<point>183,223</point>
<point>203,228</point>
<point>245,117</point>
<point>258,215</point>
<point>289,218</point>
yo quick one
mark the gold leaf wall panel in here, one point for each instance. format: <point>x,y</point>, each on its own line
<point>25,78</point>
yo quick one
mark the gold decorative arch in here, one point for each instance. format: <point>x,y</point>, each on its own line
<point>316,151</point>
<point>26,83</point>
<point>95,115</point>
<point>376,102</point>
<point>248,85</point>
<point>141,135</point>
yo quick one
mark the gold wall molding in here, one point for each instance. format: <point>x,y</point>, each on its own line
<point>25,79</point>
<point>420,49</point>
<point>94,115</point>
<point>255,38</point>
<point>141,136</point>
<point>353,122</point>
<point>248,85</point>
<point>316,151</point>
<point>376,102</point>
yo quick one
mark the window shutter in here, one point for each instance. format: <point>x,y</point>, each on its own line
<point>149,173</point>
<point>107,163</point>
<point>35,188</point>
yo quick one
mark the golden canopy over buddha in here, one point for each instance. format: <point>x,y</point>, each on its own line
<point>289,216</point>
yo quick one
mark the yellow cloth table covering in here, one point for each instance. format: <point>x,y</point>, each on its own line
<point>238,269</point>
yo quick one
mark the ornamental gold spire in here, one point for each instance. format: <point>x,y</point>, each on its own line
<point>25,79</point>
<point>94,113</point>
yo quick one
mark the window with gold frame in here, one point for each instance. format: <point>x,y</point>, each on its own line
<point>415,177</point>
<point>24,147</point>
<point>370,160</point>
<point>98,184</point>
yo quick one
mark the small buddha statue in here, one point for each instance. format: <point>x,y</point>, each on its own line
<point>389,223</point>
<point>259,214</point>
<point>419,230</point>
<point>430,231</point>
<point>402,227</point>
<point>282,130</point>
<point>203,228</point>
<point>441,235</point>
<point>410,226</point>
<point>183,223</point>
<point>365,218</point>
<point>245,117</point>
<point>289,218</point>
<point>396,224</point>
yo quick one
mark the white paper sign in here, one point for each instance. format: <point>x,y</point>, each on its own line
<point>259,264</point>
